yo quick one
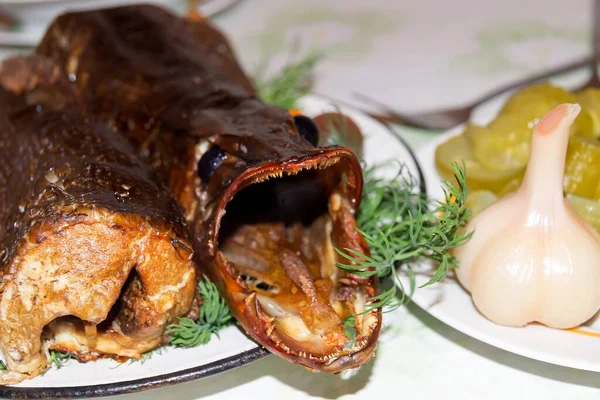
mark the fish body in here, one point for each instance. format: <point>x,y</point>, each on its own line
<point>266,207</point>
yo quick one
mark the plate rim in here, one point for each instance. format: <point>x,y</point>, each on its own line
<point>136,385</point>
<point>212,368</point>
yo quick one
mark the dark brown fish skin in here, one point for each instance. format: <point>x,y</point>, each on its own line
<point>68,181</point>
<point>99,163</point>
<point>160,79</point>
<point>183,83</point>
<point>168,84</point>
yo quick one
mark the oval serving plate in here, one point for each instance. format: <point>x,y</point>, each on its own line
<point>233,349</point>
<point>450,303</point>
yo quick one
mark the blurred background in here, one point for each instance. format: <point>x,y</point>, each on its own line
<point>410,55</point>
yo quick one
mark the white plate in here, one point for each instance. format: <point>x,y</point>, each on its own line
<point>35,15</point>
<point>451,304</point>
<point>233,349</point>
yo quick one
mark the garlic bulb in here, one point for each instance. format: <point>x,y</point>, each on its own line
<point>531,257</point>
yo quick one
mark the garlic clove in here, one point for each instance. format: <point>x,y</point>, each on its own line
<point>531,257</point>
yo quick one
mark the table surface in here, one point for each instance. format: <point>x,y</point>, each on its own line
<point>413,56</point>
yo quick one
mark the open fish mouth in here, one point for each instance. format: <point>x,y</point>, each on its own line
<point>274,238</point>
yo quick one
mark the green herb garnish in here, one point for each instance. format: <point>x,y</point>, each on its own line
<point>59,359</point>
<point>350,330</point>
<point>293,82</point>
<point>402,227</point>
<point>3,366</point>
<point>147,356</point>
<point>214,316</point>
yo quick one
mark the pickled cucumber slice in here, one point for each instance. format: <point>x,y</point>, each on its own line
<point>538,98</point>
<point>589,99</point>
<point>582,167</point>
<point>479,177</point>
<point>585,125</point>
<point>533,102</point>
<point>505,142</point>
<point>496,155</point>
<point>589,209</point>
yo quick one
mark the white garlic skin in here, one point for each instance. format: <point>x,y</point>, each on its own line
<point>532,258</point>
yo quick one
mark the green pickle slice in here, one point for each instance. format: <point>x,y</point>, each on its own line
<point>496,155</point>
<point>479,177</point>
<point>582,167</point>
<point>505,142</point>
<point>539,97</point>
<point>589,99</point>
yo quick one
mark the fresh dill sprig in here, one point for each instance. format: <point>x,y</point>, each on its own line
<point>214,315</point>
<point>293,82</point>
<point>59,359</point>
<point>147,356</point>
<point>402,227</point>
<point>3,366</point>
<point>350,330</point>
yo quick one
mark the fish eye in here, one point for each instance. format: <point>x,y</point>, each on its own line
<point>307,129</point>
<point>209,162</point>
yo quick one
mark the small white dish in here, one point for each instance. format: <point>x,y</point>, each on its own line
<point>450,303</point>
